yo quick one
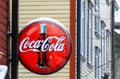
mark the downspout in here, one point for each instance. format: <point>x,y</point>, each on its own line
<point>112,42</point>
<point>14,64</point>
<point>78,39</point>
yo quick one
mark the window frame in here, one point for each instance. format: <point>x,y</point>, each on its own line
<point>97,58</point>
<point>82,30</point>
<point>103,25</point>
<point>89,55</point>
<point>97,26</point>
<point>107,50</point>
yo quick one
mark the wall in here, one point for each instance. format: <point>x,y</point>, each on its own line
<point>32,9</point>
<point>3,30</point>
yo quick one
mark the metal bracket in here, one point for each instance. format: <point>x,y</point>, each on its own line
<point>9,33</point>
<point>9,60</point>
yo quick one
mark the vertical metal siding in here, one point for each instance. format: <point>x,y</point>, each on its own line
<point>32,9</point>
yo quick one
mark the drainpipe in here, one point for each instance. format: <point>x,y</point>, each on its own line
<point>113,40</point>
<point>14,64</point>
<point>78,39</point>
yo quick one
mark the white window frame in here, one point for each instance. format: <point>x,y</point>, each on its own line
<point>103,47</point>
<point>97,27</point>
<point>90,8</point>
<point>107,50</point>
<point>97,51</point>
<point>82,29</point>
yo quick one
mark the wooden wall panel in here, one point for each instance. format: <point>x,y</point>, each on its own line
<point>55,9</point>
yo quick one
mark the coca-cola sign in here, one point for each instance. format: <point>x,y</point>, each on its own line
<point>44,46</point>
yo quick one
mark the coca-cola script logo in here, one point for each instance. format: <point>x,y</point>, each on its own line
<point>44,46</point>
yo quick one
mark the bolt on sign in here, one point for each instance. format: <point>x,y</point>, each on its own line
<point>44,46</point>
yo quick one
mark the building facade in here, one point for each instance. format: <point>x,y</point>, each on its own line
<point>95,39</point>
<point>90,25</point>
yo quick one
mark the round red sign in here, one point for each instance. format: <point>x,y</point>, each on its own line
<point>44,46</point>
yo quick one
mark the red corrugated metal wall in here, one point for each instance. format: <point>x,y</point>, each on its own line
<point>3,30</point>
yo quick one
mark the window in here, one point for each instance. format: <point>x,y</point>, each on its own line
<point>82,30</point>
<point>107,50</point>
<point>97,51</point>
<point>90,35</point>
<point>103,47</point>
<point>108,2</point>
<point>97,5</point>
<point>97,33</point>
<point>116,7</point>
